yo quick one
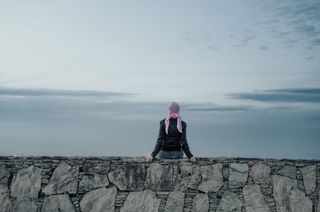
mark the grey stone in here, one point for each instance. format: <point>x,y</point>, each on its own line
<point>229,202</point>
<point>95,180</point>
<point>161,177</point>
<point>261,173</point>
<point>129,177</point>
<point>94,166</point>
<point>288,171</point>
<point>175,202</point>
<point>64,179</point>
<point>238,174</point>
<point>254,200</point>
<point>24,205</point>
<point>4,175</point>
<point>309,178</point>
<point>185,169</point>
<point>212,178</point>
<point>195,178</point>
<point>141,201</point>
<point>26,182</point>
<point>99,200</point>
<point>200,203</point>
<point>5,202</point>
<point>288,197</point>
<point>318,206</point>
<point>58,203</point>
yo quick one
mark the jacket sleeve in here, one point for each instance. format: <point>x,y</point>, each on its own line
<point>160,140</point>
<point>184,142</point>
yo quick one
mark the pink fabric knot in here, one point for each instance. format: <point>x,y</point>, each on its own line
<point>173,115</point>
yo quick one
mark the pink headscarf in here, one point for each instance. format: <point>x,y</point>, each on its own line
<point>173,113</point>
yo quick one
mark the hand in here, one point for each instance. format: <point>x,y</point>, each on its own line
<point>193,159</point>
<point>149,158</point>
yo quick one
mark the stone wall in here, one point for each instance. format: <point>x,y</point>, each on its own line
<point>130,184</point>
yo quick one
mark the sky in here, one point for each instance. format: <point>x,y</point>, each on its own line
<point>95,78</point>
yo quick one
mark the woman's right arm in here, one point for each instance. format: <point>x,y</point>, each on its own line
<point>160,139</point>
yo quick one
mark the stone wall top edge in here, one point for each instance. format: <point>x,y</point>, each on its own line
<point>141,158</point>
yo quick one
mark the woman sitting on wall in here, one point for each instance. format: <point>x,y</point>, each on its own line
<point>172,137</point>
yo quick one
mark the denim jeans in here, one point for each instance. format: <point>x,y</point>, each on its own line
<point>170,154</point>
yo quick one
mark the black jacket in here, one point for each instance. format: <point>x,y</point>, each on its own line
<point>174,140</point>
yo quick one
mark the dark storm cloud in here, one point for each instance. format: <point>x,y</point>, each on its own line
<point>48,92</point>
<point>281,95</point>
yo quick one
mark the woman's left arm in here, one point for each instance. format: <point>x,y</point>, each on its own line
<point>184,142</point>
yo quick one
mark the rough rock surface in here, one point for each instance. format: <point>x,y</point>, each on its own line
<point>288,197</point>
<point>64,179</point>
<point>229,202</point>
<point>141,201</point>
<point>309,178</point>
<point>175,202</point>
<point>24,205</point>
<point>289,171</point>
<point>57,183</point>
<point>261,173</point>
<point>5,202</point>
<point>238,174</point>
<point>212,178</point>
<point>99,200</point>
<point>160,177</point>
<point>201,203</point>
<point>26,182</point>
<point>60,202</point>
<point>4,175</point>
<point>93,181</point>
<point>254,200</point>
<point>129,177</point>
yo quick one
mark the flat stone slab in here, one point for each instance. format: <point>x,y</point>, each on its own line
<point>24,205</point>
<point>238,174</point>
<point>261,173</point>
<point>5,202</point>
<point>309,178</point>
<point>26,182</point>
<point>99,200</point>
<point>175,202</point>
<point>161,177</point>
<point>212,178</point>
<point>4,175</point>
<point>254,200</point>
<point>229,202</point>
<point>59,202</point>
<point>288,197</point>
<point>129,177</point>
<point>141,201</point>
<point>200,203</point>
<point>64,179</point>
<point>289,171</point>
<point>93,181</point>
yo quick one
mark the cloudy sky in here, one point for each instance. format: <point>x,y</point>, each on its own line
<point>95,78</point>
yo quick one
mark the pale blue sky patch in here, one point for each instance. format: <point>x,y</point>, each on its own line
<point>246,74</point>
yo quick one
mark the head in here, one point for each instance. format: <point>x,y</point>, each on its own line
<point>174,107</point>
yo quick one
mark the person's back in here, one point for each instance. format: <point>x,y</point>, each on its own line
<point>172,137</point>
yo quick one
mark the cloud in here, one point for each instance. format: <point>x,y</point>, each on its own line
<point>287,20</point>
<point>199,39</point>
<point>245,40</point>
<point>264,47</point>
<point>218,108</point>
<point>280,95</point>
<point>49,92</point>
